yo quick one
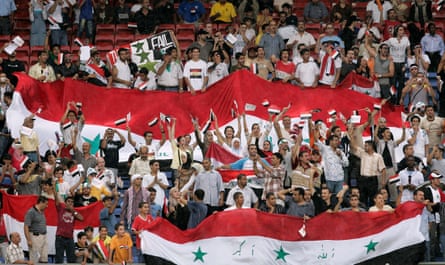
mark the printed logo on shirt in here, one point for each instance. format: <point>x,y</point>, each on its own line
<point>196,73</point>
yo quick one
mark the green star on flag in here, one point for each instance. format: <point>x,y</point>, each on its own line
<point>94,143</point>
<point>371,246</point>
<point>199,255</point>
<point>138,46</point>
<point>281,254</point>
<point>144,56</point>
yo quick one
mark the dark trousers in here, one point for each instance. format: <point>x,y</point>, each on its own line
<point>63,245</point>
<point>435,60</point>
<point>368,187</point>
<point>399,79</point>
<point>5,25</point>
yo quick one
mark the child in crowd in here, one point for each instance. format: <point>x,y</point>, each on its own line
<point>101,245</point>
<point>140,223</point>
<point>81,249</point>
<point>120,246</point>
<point>155,209</point>
<point>107,217</point>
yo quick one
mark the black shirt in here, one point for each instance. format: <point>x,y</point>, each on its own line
<point>65,71</point>
<point>165,13</point>
<point>146,22</point>
<point>10,67</point>
<point>111,153</point>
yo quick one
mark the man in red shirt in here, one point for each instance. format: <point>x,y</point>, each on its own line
<point>64,234</point>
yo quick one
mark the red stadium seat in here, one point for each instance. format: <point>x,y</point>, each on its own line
<point>33,60</point>
<point>35,50</point>
<point>105,48</point>
<point>108,28</point>
<point>104,43</point>
<point>22,23</point>
<point>104,37</point>
<point>185,28</point>
<point>22,51</point>
<point>171,27</point>
<point>65,48</point>
<point>23,58</point>
<point>123,37</point>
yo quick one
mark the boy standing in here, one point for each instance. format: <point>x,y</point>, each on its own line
<point>120,246</point>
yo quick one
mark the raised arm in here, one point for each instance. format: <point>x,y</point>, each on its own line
<point>130,138</point>
<point>163,138</point>
<point>221,139</point>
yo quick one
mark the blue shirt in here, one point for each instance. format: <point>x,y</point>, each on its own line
<point>7,7</point>
<point>108,220</point>
<point>86,11</point>
<point>432,43</point>
<point>154,209</point>
<point>315,10</point>
<point>191,11</point>
<point>272,45</point>
<point>333,39</point>
<point>239,165</point>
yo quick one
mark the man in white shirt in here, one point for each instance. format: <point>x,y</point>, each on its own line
<point>121,73</point>
<point>307,72</point>
<point>169,72</point>
<point>410,179</point>
<point>195,73</point>
<point>377,15</point>
<point>156,180</point>
<point>302,36</point>
<point>249,195</point>
<point>330,65</point>
<point>14,252</point>
<point>58,34</point>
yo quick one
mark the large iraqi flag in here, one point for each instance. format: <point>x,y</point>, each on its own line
<point>102,107</point>
<point>15,208</point>
<point>248,236</point>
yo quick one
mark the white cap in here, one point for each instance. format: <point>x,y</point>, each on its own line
<point>135,176</point>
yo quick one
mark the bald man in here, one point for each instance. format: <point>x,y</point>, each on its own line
<point>14,252</point>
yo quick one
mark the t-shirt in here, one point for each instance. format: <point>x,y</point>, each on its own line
<point>434,129</point>
<point>398,49</point>
<point>198,211</point>
<point>283,70</point>
<point>120,246</point>
<point>195,72</point>
<point>325,77</point>
<point>307,73</point>
<point>65,226</point>
<point>299,210</point>
<point>139,224</point>
<point>226,11</point>
<point>111,153</point>
<point>107,219</point>
<point>217,72</point>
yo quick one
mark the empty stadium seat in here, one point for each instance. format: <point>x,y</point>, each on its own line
<point>22,51</point>
<point>105,29</point>
<point>163,27</point>
<point>105,48</point>
<point>185,28</point>
<point>35,50</point>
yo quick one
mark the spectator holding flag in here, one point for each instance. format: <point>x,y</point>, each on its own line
<point>97,72</point>
<point>195,73</point>
<point>330,64</point>
<point>42,71</point>
<point>66,216</point>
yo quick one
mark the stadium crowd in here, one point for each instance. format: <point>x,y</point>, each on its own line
<point>394,43</point>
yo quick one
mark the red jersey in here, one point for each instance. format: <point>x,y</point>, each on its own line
<point>139,224</point>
